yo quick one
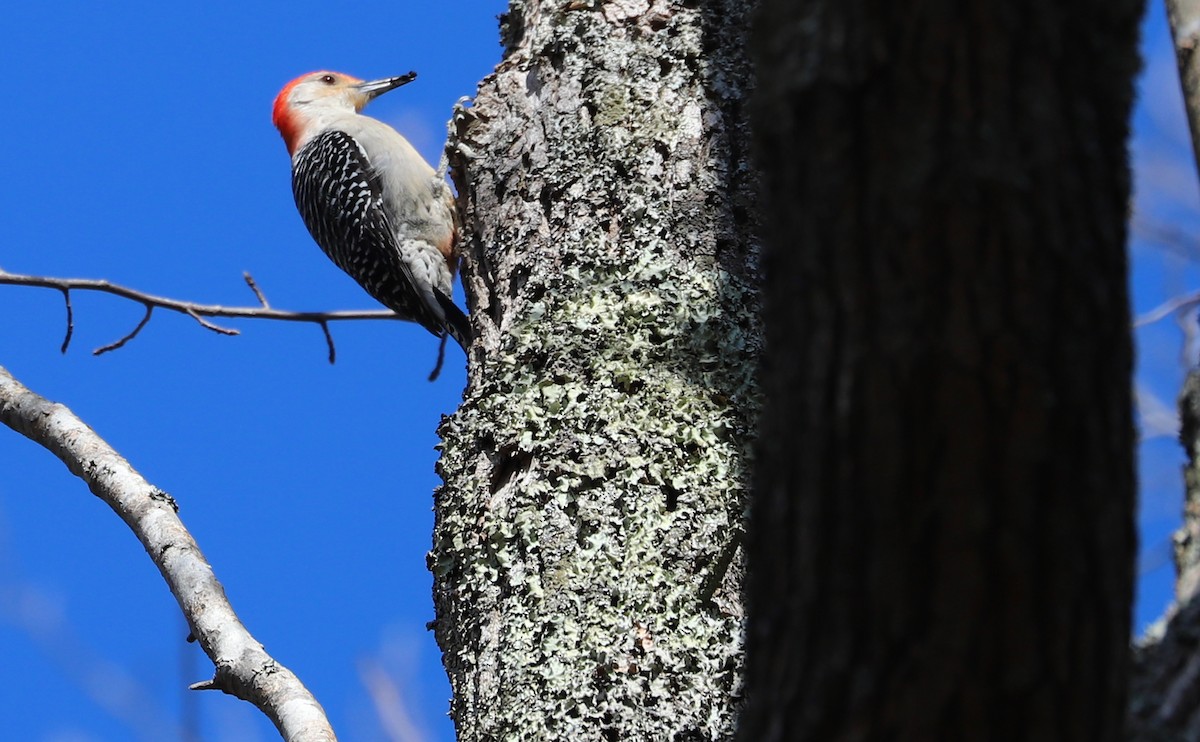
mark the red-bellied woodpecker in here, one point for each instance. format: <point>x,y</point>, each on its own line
<point>376,208</point>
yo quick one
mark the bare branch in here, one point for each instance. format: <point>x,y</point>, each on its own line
<point>254,287</point>
<point>1167,308</point>
<point>243,667</point>
<point>70,320</point>
<point>1155,417</point>
<point>127,338</point>
<point>209,325</point>
<point>329,342</point>
<point>388,700</point>
<point>194,310</point>
<point>1171,238</point>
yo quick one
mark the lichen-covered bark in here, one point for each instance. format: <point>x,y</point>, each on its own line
<point>595,473</point>
<point>1187,538</point>
<point>1164,701</point>
<point>946,489</point>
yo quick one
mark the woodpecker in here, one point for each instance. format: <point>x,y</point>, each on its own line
<point>372,203</point>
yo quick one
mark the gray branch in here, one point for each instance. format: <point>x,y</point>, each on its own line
<point>243,667</point>
<point>192,309</point>
<point>1167,308</point>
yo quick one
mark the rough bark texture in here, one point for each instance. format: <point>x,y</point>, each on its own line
<point>595,474</point>
<point>942,539</point>
<point>1164,701</point>
<point>1187,538</point>
<point>1184,16</point>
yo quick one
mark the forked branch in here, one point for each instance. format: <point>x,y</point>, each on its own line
<point>243,667</point>
<point>194,310</point>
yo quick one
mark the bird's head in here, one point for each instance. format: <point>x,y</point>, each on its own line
<point>310,98</point>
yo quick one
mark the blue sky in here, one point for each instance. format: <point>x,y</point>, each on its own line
<point>1166,198</point>
<point>137,146</point>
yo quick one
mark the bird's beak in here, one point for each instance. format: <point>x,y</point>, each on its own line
<point>372,89</point>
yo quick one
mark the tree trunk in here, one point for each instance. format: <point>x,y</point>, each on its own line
<point>587,575</point>
<point>942,537</point>
<point>1163,704</point>
<point>1187,538</point>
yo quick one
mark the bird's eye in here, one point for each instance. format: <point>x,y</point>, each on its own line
<point>328,79</point>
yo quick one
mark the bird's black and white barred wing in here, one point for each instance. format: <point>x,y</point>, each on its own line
<point>340,199</point>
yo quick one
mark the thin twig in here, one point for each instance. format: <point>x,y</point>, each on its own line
<point>1175,240</point>
<point>192,309</point>
<point>1167,308</point>
<point>257,291</point>
<point>329,342</point>
<point>388,700</point>
<point>130,336</point>
<point>70,320</point>
<point>209,325</point>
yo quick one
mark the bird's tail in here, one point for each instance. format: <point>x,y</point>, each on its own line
<point>457,323</point>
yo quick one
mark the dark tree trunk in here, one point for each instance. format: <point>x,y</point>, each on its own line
<point>942,537</point>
